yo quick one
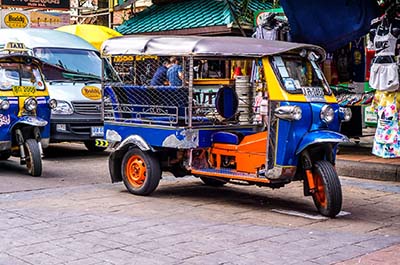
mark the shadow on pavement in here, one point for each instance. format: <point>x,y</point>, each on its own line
<point>250,198</point>
<point>70,150</point>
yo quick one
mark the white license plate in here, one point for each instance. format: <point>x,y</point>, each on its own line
<point>97,131</point>
<point>313,93</point>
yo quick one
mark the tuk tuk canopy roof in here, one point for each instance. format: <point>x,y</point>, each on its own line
<point>200,46</point>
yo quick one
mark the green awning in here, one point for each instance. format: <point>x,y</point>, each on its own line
<point>191,14</point>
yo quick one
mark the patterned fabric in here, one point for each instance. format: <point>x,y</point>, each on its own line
<point>387,135</point>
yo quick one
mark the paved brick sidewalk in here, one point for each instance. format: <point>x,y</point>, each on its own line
<point>185,222</point>
<point>386,256</point>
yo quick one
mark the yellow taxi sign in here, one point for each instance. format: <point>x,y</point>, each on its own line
<point>15,46</point>
<point>23,91</point>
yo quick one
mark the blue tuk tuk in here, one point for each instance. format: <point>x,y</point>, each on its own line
<point>247,111</point>
<point>24,108</point>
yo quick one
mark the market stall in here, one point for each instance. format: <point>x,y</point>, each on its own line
<point>348,41</point>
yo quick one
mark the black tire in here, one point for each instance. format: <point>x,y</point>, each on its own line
<point>328,195</point>
<point>33,157</point>
<point>91,146</point>
<point>213,182</point>
<point>141,172</point>
<point>5,155</point>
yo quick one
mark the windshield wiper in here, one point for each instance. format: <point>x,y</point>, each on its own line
<point>57,81</point>
<point>76,76</point>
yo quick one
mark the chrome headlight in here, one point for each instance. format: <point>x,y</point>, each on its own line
<point>327,114</point>
<point>52,103</point>
<point>288,113</point>
<point>345,114</point>
<point>4,104</point>
<point>63,108</point>
<point>30,104</point>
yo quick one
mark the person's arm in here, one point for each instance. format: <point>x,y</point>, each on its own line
<point>180,72</point>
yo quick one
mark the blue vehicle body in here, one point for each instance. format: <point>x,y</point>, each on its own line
<point>295,136</point>
<point>24,110</point>
<point>10,119</point>
<point>275,122</point>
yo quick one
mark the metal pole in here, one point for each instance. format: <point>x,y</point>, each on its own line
<point>102,88</point>
<point>190,90</point>
<point>110,12</point>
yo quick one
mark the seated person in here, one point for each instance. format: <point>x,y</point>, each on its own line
<point>160,76</point>
<point>174,73</point>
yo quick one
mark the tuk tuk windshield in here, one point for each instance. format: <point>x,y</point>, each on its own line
<point>18,74</point>
<point>298,74</point>
<point>71,65</point>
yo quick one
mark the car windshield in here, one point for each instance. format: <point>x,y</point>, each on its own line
<point>299,74</point>
<point>18,74</point>
<point>71,65</point>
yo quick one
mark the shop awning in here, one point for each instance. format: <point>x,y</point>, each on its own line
<point>329,23</point>
<point>192,14</point>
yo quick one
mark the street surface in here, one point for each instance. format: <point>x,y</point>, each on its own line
<point>74,215</point>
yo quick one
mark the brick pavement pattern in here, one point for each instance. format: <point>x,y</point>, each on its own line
<point>185,222</point>
<point>386,256</point>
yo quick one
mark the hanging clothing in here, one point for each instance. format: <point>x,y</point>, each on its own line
<point>385,44</point>
<point>264,33</point>
<point>384,76</point>
<point>387,136</point>
<point>358,60</point>
<point>342,60</point>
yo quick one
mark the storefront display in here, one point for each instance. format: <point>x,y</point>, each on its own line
<point>384,79</point>
<point>387,135</point>
<point>357,69</point>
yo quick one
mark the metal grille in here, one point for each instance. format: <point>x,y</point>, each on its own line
<point>87,107</point>
<point>148,96</point>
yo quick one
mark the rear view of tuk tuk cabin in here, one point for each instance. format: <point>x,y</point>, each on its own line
<point>254,111</point>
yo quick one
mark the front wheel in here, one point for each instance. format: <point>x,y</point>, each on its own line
<point>33,157</point>
<point>328,194</point>
<point>141,172</point>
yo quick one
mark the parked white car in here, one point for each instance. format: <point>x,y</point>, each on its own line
<point>72,69</point>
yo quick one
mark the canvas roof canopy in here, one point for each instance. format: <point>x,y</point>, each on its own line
<point>200,46</point>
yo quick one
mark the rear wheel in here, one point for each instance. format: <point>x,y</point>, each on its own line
<point>91,146</point>
<point>141,172</point>
<point>33,157</point>
<point>5,155</point>
<point>213,182</point>
<point>328,195</point>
